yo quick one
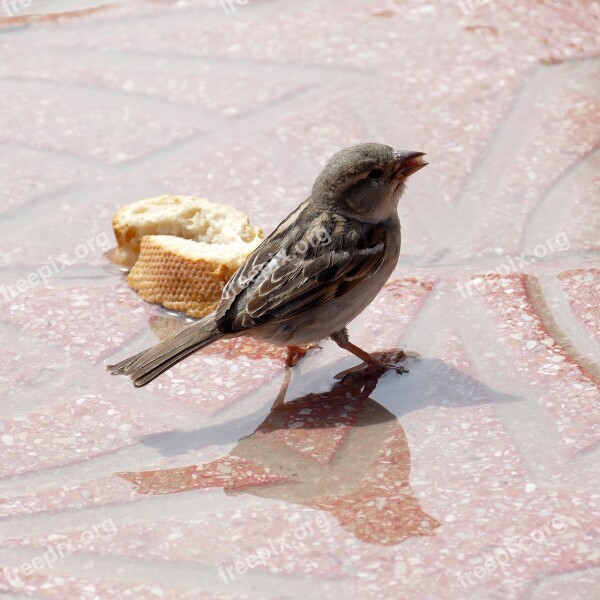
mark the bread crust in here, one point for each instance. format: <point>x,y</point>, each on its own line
<point>182,274</point>
<point>179,281</point>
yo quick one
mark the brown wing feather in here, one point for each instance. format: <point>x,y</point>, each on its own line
<point>277,282</point>
<point>254,266</point>
<point>304,291</point>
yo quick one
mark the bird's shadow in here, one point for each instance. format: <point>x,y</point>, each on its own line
<point>338,451</point>
<point>429,382</point>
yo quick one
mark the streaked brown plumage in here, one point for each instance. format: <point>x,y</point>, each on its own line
<point>320,268</point>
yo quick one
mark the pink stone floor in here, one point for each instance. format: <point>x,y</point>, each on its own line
<point>474,476</point>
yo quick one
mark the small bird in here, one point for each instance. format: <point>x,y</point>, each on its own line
<point>320,268</point>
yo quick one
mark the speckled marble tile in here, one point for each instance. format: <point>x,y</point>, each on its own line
<point>473,476</point>
<point>582,288</point>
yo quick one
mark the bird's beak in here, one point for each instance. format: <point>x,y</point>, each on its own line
<point>408,163</point>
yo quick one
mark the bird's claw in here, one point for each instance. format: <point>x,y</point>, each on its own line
<point>383,362</point>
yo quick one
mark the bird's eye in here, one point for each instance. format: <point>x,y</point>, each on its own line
<point>376,174</point>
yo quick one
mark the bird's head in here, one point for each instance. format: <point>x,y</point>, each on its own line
<point>366,181</point>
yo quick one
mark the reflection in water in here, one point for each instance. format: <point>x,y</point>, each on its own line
<point>338,451</point>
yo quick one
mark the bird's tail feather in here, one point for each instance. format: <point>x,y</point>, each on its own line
<point>149,364</point>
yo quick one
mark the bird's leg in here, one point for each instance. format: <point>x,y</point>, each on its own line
<point>295,353</point>
<point>373,361</point>
<point>280,400</point>
<point>341,339</point>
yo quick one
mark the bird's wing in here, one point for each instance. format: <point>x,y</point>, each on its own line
<point>253,269</point>
<point>288,274</point>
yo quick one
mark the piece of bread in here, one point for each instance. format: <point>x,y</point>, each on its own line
<point>182,250</point>
<point>182,216</point>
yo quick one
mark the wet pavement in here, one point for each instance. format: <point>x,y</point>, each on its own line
<point>475,475</point>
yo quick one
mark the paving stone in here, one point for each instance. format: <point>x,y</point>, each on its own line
<point>475,474</point>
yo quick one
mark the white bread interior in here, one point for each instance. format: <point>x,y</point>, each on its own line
<point>182,250</point>
<point>185,217</point>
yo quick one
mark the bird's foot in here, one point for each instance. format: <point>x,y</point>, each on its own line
<point>381,362</point>
<point>296,353</point>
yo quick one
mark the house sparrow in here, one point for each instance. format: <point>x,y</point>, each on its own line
<point>320,268</point>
